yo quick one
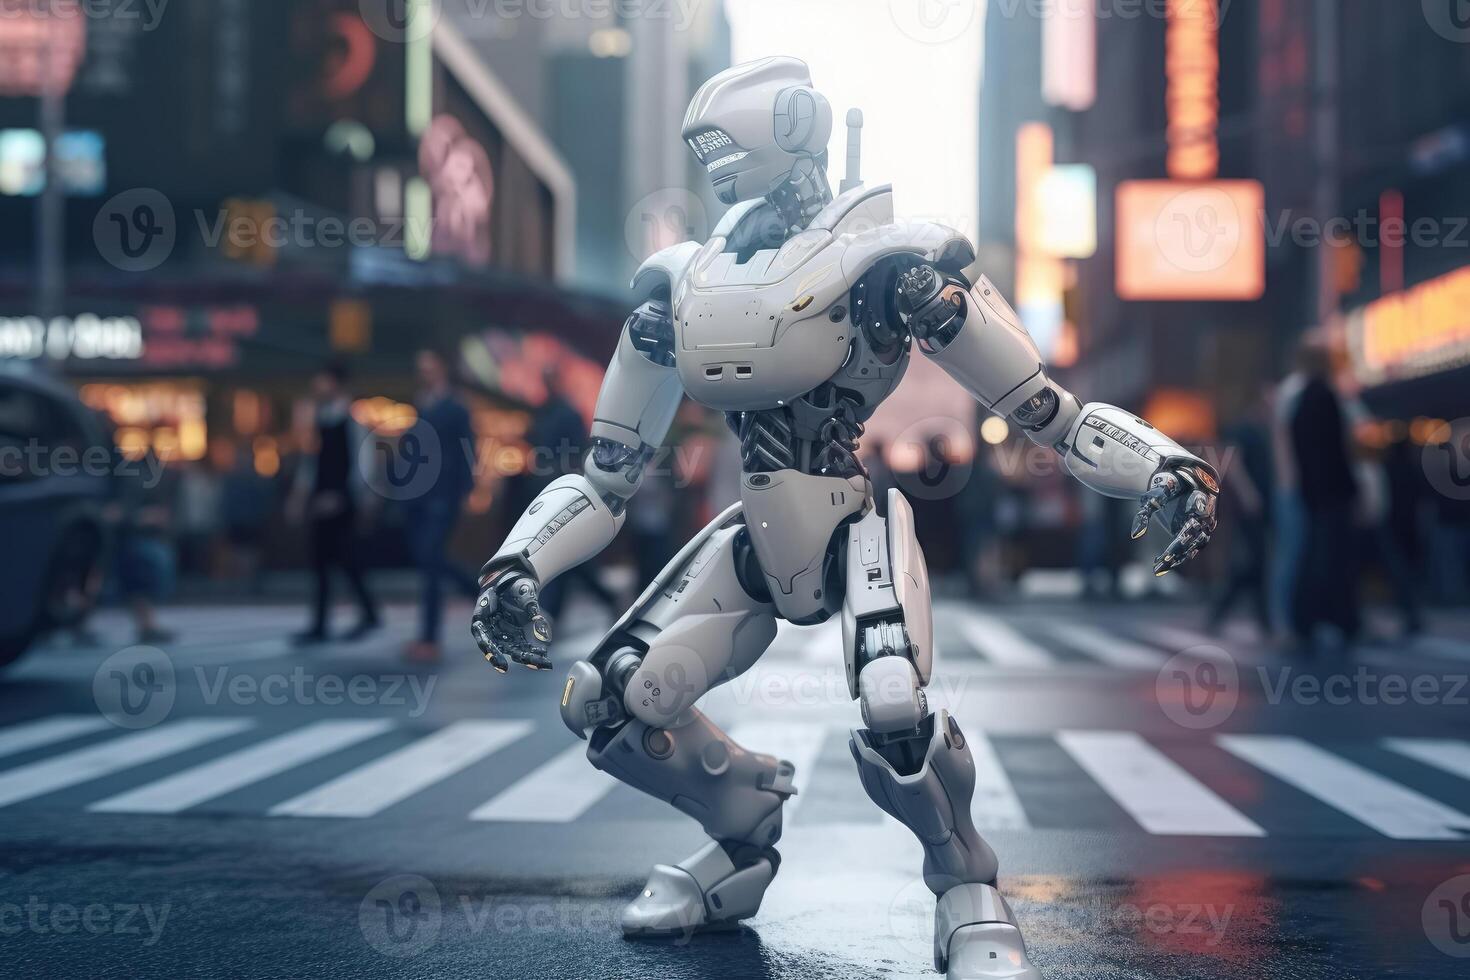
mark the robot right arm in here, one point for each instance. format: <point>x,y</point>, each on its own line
<point>974,335</point>
<point>579,515</point>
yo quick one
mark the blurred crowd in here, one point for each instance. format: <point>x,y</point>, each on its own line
<point>1323,508</point>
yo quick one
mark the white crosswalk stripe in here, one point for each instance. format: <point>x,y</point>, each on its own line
<point>1109,648</point>
<point>820,644</point>
<point>1439,646</point>
<point>996,805</point>
<point>238,769</point>
<point>1000,643</point>
<point>1392,810</point>
<point>1442,753</point>
<point>395,777</point>
<point>1154,789</point>
<point>124,752</point>
<point>1162,796</point>
<point>558,792</point>
<point>1177,639</point>
<point>47,731</point>
<point>796,742</point>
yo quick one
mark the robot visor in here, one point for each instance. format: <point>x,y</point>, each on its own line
<point>714,148</point>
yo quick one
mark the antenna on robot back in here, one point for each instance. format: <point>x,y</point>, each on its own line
<point>854,176</point>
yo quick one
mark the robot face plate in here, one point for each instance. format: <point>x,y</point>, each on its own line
<point>715,149</point>
<point>750,125</point>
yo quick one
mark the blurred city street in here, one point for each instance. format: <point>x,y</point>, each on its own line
<point>1167,806</point>
<point>354,350</point>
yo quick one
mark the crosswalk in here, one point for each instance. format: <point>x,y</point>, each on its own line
<point>1233,786</point>
<point>372,788</point>
<point>968,637</point>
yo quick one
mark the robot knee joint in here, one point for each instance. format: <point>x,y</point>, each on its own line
<point>592,697</point>
<point>892,694</point>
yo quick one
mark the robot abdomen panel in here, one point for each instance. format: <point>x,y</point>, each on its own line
<point>791,517</point>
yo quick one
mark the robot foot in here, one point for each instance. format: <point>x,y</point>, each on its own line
<point>704,892</point>
<point>976,937</point>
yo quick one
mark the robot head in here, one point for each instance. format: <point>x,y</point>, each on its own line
<point>758,128</point>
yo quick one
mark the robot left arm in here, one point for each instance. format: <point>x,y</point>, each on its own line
<point>579,514</point>
<point>975,336</point>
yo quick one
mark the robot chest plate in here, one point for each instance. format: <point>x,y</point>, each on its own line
<point>756,334</point>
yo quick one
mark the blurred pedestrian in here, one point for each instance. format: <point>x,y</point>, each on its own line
<point>1100,552</point>
<point>1376,539</point>
<point>651,524</point>
<point>147,566</point>
<point>245,510</point>
<point>975,508</point>
<point>1317,570</point>
<point>1246,505</point>
<point>198,516</point>
<point>330,495</point>
<point>433,515</point>
<point>1449,519</point>
<point>558,440</point>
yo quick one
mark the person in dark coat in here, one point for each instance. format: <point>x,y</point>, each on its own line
<point>433,515</point>
<point>330,495</point>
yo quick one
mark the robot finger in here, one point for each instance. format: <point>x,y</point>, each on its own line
<point>1189,539</point>
<point>1153,502</point>
<point>482,636</point>
<point>532,660</point>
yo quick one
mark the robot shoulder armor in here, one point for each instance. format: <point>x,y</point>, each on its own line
<point>663,270</point>
<point>731,219</point>
<point>940,245</point>
<point>860,209</point>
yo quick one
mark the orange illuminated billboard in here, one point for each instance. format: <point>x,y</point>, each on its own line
<point>1421,331</point>
<point>1191,240</point>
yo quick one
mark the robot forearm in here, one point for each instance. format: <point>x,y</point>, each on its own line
<point>568,523</point>
<point>1118,454</point>
<point>579,515</point>
<point>977,338</point>
<point>973,334</point>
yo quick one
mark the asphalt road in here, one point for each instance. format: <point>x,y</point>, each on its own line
<point>1165,806</point>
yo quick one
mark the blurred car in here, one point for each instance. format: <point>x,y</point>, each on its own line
<point>55,466</point>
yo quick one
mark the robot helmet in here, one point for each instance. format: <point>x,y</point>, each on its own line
<point>758,127</point>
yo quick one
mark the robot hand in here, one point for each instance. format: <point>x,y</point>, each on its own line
<point>508,622</point>
<point>1183,496</point>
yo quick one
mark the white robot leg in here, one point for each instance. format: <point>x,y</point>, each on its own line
<point>703,621</point>
<point>915,764</point>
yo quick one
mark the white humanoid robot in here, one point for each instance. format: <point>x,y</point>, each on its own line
<point>796,319</point>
